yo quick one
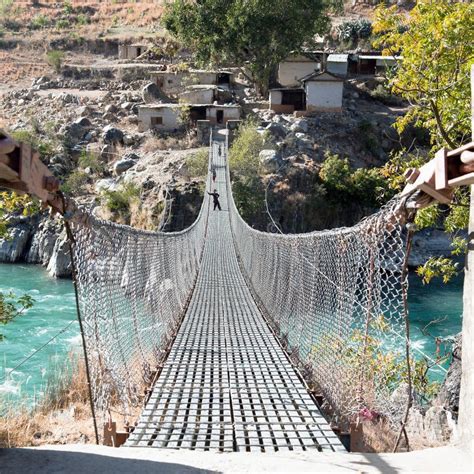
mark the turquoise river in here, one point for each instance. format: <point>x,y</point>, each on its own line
<point>54,310</point>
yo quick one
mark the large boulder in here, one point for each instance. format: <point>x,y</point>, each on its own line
<point>439,425</point>
<point>301,126</point>
<point>151,93</point>
<point>277,130</point>
<point>128,161</point>
<point>43,242</point>
<point>60,263</point>
<point>270,160</point>
<point>13,248</point>
<point>112,135</point>
<point>429,243</point>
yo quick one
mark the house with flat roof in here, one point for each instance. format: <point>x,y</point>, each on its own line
<point>287,101</point>
<point>323,92</point>
<point>169,117</point>
<point>372,64</point>
<point>296,66</point>
<point>337,64</point>
<point>174,82</point>
<point>132,51</point>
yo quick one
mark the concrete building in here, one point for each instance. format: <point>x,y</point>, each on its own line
<point>205,94</point>
<point>287,101</point>
<point>375,64</point>
<point>131,51</point>
<point>323,92</point>
<point>296,66</point>
<point>337,64</point>
<point>168,117</point>
<point>175,82</point>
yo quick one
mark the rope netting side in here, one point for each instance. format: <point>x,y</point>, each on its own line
<point>335,298</point>
<point>133,289</point>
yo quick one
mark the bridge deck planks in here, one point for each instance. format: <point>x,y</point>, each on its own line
<point>227,385</point>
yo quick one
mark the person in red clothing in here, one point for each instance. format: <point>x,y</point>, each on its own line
<point>215,197</point>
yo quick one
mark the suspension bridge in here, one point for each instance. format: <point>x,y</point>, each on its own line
<point>227,326</point>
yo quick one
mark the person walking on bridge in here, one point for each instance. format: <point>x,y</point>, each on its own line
<point>215,197</point>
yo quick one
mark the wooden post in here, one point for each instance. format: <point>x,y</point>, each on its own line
<point>465,435</point>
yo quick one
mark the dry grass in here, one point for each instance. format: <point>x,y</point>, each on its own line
<point>62,417</point>
<point>170,143</point>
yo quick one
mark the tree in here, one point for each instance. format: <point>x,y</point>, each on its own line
<point>436,44</point>
<point>259,33</point>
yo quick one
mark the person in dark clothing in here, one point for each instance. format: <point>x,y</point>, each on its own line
<point>214,175</point>
<point>215,197</point>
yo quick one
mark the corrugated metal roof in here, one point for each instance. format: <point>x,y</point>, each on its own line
<point>338,58</point>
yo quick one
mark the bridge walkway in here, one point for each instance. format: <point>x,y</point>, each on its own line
<point>227,385</point>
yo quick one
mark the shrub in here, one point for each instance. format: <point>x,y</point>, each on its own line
<point>62,24</point>
<point>367,186</point>
<point>46,148</point>
<point>89,160</point>
<point>75,183</point>
<point>40,22</point>
<point>82,19</point>
<point>55,59</point>
<point>119,201</point>
<point>244,153</point>
<point>355,30</point>
<point>198,163</point>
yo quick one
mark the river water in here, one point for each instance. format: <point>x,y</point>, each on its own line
<point>54,310</point>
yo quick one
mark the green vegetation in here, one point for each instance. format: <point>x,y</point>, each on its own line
<point>354,30</point>
<point>45,146</point>
<point>198,163</point>
<point>76,183</point>
<point>259,33</point>
<point>12,306</point>
<point>244,163</point>
<point>91,161</point>
<point>437,45</point>
<point>40,22</point>
<point>364,185</point>
<point>55,59</point>
<point>120,201</point>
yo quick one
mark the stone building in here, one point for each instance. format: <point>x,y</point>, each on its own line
<point>175,82</point>
<point>132,51</point>
<point>169,117</point>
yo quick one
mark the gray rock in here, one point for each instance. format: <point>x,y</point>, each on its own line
<point>13,248</point>
<point>60,263</point>
<point>123,165</point>
<point>43,242</point>
<point>300,126</point>
<point>277,130</point>
<point>151,93</point>
<point>83,122</point>
<point>448,395</point>
<point>111,109</point>
<point>429,243</point>
<point>438,425</point>
<point>112,135</point>
<point>270,160</point>
<point>107,184</point>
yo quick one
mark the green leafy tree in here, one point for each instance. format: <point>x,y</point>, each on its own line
<point>436,44</point>
<point>12,306</point>
<point>259,33</point>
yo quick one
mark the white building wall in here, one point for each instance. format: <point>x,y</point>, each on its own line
<point>289,72</point>
<point>198,96</point>
<point>230,113</point>
<point>324,95</point>
<point>175,82</point>
<point>169,115</point>
<point>337,68</point>
<point>275,98</point>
